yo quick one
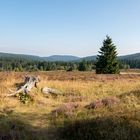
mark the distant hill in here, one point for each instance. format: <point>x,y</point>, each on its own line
<point>131,57</point>
<point>64,58</point>
<point>20,56</point>
<point>126,57</point>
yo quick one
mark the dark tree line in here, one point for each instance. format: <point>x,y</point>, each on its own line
<point>13,64</point>
<point>130,64</point>
<point>8,64</point>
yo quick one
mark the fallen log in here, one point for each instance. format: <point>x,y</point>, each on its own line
<point>50,91</point>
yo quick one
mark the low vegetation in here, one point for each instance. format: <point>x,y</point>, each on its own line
<point>75,114</point>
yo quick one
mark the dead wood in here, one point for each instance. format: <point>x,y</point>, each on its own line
<point>29,83</point>
<point>50,91</point>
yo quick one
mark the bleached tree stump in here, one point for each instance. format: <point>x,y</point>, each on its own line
<point>29,83</point>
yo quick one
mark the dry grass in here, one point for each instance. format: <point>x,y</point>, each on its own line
<point>37,120</point>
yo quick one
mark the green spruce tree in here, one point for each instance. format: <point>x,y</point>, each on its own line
<point>107,62</point>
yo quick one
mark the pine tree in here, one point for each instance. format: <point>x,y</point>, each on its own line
<point>107,62</point>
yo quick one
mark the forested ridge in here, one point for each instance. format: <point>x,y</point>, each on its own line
<point>16,64</point>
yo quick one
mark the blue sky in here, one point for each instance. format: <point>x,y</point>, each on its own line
<point>73,27</point>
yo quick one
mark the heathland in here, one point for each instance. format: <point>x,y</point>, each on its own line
<point>72,115</point>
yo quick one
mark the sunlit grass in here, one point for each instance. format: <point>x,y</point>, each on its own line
<point>38,115</point>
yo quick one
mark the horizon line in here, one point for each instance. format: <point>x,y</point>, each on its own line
<point>62,54</point>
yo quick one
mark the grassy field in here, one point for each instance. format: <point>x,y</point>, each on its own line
<point>66,116</point>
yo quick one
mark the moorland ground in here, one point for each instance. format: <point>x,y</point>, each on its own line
<point>66,116</point>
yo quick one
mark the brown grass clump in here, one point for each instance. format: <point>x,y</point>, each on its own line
<point>65,109</point>
<point>96,104</point>
<point>110,101</point>
<point>75,99</point>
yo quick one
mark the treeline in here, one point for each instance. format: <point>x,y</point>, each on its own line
<point>13,64</point>
<point>130,64</point>
<point>8,64</point>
